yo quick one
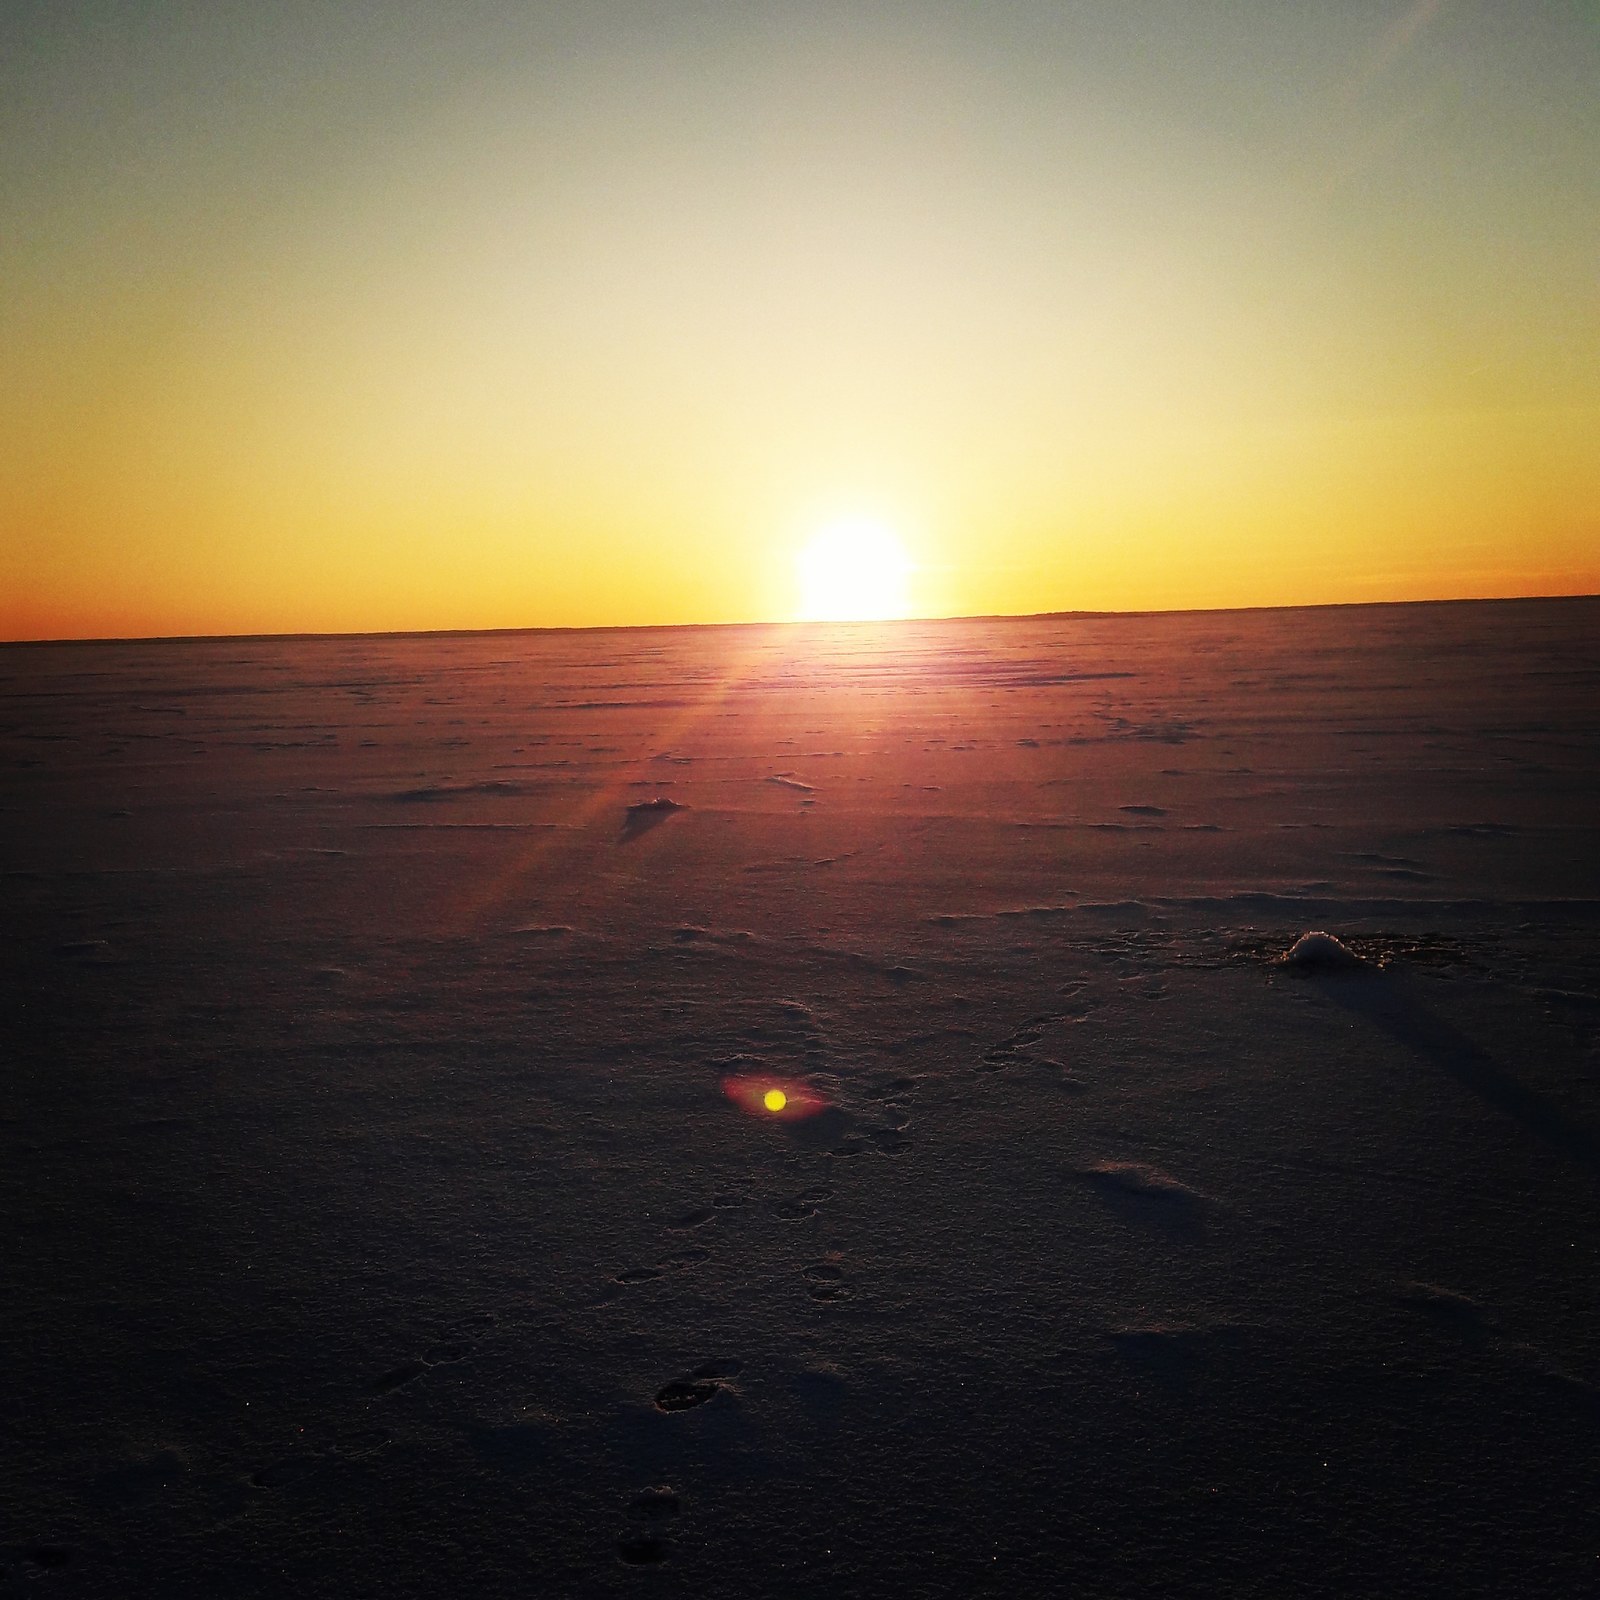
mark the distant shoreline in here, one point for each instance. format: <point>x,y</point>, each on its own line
<point>679,627</point>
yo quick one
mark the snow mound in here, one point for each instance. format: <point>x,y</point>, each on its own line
<point>1321,951</point>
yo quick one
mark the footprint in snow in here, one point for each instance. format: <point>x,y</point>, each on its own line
<point>409,1371</point>
<point>705,1383</point>
<point>798,1207</point>
<point>827,1282</point>
<point>657,1507</point>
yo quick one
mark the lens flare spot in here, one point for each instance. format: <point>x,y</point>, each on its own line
<point>759,1094</point>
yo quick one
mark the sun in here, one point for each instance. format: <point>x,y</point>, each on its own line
<point>854,570</point>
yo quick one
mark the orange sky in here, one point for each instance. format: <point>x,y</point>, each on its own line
<point>345,317</point>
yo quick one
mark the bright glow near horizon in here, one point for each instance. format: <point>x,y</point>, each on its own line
<point>355,317</point>
<point>854,570</point>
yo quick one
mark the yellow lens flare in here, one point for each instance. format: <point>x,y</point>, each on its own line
<point>854,570</point>
<point>759,1094</point>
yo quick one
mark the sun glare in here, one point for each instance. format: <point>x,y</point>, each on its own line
<point>854,570</point>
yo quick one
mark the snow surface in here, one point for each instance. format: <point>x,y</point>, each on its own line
<point>391,1207</point>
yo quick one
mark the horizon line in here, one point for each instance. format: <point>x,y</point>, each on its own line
<point>788,622</point>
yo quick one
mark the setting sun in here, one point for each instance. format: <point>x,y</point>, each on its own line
<point>854,570</point>
<point>660,313</point>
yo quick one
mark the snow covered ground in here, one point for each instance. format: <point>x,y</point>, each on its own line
<point>392,1206</point>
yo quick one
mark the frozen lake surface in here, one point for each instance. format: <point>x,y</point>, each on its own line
<point>392,1209</point>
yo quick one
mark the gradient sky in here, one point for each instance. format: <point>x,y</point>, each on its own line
<point>373,316</point>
